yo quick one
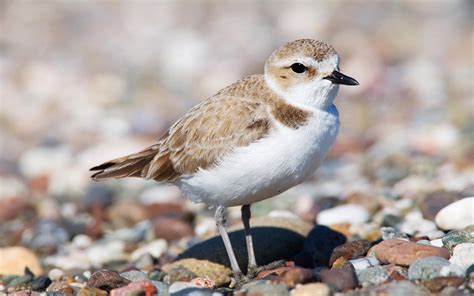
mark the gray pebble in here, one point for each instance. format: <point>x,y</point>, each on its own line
<point>134,275</point>
<point>432,267</point>
<point>372,275</point>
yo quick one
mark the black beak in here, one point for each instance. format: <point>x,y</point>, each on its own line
<point>339,78</point>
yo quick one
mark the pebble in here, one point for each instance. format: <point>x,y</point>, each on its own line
<point>395,288</point>
<point>40,283</point>
<point>290,276</point>
<point>202,268</point>
<point>436,285</point>
<point>350,250</point>
<point>405,252</point>
<point>190,289</point>
<point>312,289</point>
<point>161,288</point>
<point>125,213</point>
<point>170,228</point>
<point>15,259</point>
<point>106,251</point>
<point>98,195</point>
<point>432,267</point>
<point>87,291</point>
<point>45,235</point>
<point>204,283</point>
<point>134,275</point>
<point>62,287</point>
<point>340,279</point>
<point>392,233</point>
<point>463,255</point>
<point>457,215</point>
<point>106,280</point>
<point>432,203</point>
<point>320,243</point>
<point>456,237</point>
<point>144,262</point>
<point>348,213</point>
<point>141,287</point>
<point>274,238</point>
<point>264,288</point>
<point>56,274</point>
<point>372,276</point>
<point>155,248</point>
<point>363,263</point>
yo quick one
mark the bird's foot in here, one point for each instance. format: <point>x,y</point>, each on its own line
<point>253,271</point>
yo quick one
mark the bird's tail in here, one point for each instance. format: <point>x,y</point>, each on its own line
<point>127,166</point>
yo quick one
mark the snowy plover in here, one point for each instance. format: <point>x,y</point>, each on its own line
<point>251,141</point>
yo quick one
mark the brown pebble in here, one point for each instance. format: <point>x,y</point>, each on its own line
<point>437,284</point>
<point>403,253</point>
<point>350,250</point>
<point>340,279</point>
<point>289,276</point>
<point>171,228</point>
<point>142,287</point>
<point>91,291</point>
<point>106,280</point>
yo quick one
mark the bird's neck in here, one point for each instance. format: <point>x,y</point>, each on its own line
<point>314,95</point>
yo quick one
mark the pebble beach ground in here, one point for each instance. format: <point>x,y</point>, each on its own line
<point>390,212</point>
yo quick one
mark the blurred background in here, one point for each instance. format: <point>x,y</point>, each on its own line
<point>82,82</point>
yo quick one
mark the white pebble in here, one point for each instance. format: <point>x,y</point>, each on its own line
<point>155,248</point>
<point>463,255</point>
<point>364,263</point>
<point>437,242</point>
<point>349,213</point>
<point>457,215</point>
<point>178,286</point>
<point>56,274</point>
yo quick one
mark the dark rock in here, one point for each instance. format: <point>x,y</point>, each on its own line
<point>40,283</point>
<point>320,244</point>
<point>106,280</point>
<point>350,250</point>
<point>340,279</point>
<point>274,238</point>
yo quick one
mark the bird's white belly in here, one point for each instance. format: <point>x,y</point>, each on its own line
<point>267,167</point>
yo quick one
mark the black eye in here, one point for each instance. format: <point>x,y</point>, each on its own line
<point>298,68</point>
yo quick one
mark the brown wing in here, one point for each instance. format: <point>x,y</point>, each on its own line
<point>198,140</point>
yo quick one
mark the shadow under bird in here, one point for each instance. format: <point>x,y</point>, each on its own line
<point>250,141</point>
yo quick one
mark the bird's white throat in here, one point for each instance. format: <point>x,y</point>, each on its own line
<point>318,94</point>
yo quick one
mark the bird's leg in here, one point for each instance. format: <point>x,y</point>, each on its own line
<point>221,221</point>
<point>252,262</point>
<point>252,268</point>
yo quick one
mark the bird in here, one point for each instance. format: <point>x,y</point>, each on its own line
<point>251,141</point>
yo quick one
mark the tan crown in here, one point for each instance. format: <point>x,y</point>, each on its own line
<point>305,51</point>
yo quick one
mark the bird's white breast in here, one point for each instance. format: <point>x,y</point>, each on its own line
<point>281,160</point>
